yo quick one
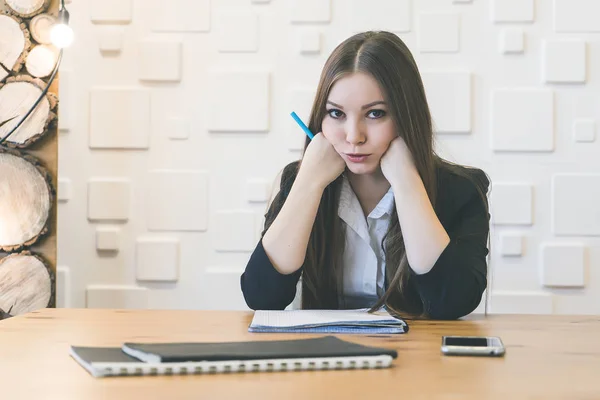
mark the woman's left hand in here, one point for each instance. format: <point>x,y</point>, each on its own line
<point>397,160</point>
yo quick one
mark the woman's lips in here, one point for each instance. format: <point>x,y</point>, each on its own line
<point>357,158</point>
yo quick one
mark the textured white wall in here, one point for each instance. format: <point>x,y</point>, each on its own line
<point>175,120</point>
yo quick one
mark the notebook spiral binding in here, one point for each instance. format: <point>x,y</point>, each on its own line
<point>238,366</point>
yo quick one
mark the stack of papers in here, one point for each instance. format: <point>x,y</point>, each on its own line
<point>326,321</point>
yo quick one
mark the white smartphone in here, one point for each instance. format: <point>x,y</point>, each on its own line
<point>472,346</point>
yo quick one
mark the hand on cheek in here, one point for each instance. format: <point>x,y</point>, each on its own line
<point>321,162</point>
<point>397,160</point>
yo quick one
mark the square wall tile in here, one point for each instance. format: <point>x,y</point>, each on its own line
<point>110,39</point>
<point>449,97</point>
<point>512,10</point>
<point>368,15</point>
<point>181,16</point>
<point>157,259</point>
<point>246,92</point>
<point>554,67</point>
<point>439,33</point>
<point>63,287</point>
<point>562,265</point>
<point>235,231</point>
<point>237,31</point>
<point>511,244</point>
<point>116,297</point>
<point>111,11</point>
<point>160,60</point>
<point>258,190</point>
<point>511,41</point>
<point>309,41</point>
<point>177,200</point>
<point>167,125</point>
<point>522,120</point>
<point>575,200</point>
<point>584,130</point>
<point>129,124</point>
<point>310,10</point>
<point>109,199</point>
<point>65,189</point>
<point>108,238</point>
<point>512,204</point>
<point>176,128</point>
<point>576,15</point>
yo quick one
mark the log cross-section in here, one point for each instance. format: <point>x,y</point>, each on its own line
<point>27,8</point>
<point>26,283</point>
<point>26,197</point>
<point>14,42</point>
<point>17,96</point>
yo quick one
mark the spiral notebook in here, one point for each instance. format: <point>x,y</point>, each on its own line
<point>327,321</point>
<point>322,353</point>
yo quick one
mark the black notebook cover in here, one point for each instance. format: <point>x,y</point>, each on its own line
<point>327,346</point>
<point>102,355</point>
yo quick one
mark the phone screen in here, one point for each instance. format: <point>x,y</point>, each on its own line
<point>464,341</point>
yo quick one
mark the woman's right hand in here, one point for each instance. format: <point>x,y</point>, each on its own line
<point>321,162</point>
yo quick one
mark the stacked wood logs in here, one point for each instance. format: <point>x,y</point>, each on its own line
<point>27,186</point>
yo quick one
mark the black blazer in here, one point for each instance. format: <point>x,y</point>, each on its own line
<point>454,286</point>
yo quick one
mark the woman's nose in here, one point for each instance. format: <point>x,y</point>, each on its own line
<point>354,133</point>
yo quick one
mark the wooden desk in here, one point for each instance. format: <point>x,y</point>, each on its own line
<point>548,357</point>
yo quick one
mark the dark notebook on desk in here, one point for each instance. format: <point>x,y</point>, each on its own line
<point>328,346</point>
<point>326,352</point>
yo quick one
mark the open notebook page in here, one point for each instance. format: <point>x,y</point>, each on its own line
<point>299,318</point>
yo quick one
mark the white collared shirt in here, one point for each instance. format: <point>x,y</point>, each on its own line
<point>364,258</point>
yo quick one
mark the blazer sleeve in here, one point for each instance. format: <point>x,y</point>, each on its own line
<point>263,287</point>
<point>454,286</point>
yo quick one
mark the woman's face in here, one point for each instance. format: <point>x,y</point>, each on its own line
<point>357,122</point>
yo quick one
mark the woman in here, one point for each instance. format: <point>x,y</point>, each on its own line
<point>371,216</point>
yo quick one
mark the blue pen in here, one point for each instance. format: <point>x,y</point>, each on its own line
<point>304,127</point>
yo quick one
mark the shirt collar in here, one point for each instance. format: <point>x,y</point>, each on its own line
<point>350,211</point>
<point>385,205</point>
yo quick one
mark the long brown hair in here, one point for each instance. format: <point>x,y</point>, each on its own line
<point>386,58</point>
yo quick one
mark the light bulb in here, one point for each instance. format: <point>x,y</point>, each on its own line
<point>61,35</point>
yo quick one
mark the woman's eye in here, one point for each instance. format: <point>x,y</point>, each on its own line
<point>375,114</point>
<point>335,113</point>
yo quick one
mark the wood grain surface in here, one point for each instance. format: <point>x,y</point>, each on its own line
<point>547,357</point>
